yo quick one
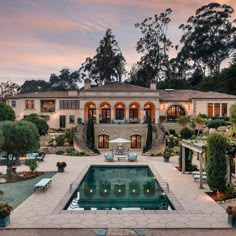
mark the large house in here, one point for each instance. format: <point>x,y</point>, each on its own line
<point>120,110</point>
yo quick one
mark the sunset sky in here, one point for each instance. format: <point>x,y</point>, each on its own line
<point>40,37</point>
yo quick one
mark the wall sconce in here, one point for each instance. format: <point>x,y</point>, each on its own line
<point>103,129</point>
<point>164,106</point>
<point>189,106</point>
<point>135,129</point>
<point>119,106</point>
<point>133,106</point>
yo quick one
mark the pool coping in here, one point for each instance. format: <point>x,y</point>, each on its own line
<point>178,208</point>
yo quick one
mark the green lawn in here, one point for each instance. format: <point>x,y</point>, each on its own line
<point>15,193</point>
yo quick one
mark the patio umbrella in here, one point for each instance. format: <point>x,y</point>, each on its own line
<point>119,140</point>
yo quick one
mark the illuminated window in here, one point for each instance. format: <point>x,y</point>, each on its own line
<point>103,141</point>
<point>217,109</point>
<point>29,104</point>
<point>210,109</point>
<point>135,141</point>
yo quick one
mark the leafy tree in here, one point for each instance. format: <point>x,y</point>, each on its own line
<point>183,120</point>
<point>30,86</point>
<point>6,112</point>
<point>19,137</point>
<point>8,89</point>
<point>65,81</point>
<point>154,44</point>
<point>39,121</point>
<point>216,162</point>
<point>107,65</point>
<point>209,37</point>
<point>149,134</point>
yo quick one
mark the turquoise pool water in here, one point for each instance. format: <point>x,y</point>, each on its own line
<point>119,188</point>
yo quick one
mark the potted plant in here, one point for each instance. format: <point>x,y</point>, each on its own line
<point>61,166</point>
<point>231,210</point>
<point>5,211</point>
<point>167,154</point>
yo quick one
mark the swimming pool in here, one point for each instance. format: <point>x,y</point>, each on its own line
<point>119,188</point>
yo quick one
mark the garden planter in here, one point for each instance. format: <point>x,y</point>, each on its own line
<point>60,169</point>
<point>4,221</point>
<point>166,159</point>
<point>232,220</point>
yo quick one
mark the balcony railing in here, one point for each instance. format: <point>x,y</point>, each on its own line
<point>47,109</point>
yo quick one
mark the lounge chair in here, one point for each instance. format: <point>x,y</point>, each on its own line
<point>197,177</point>
<point>132,157</point>
<point>198,173</point>
<point>109,156</point>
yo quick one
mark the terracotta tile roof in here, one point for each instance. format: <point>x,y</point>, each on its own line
<point>120,87</point>
<point>49,94</point>
<point>187,95</point>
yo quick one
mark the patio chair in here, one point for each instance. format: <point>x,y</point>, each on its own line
<point>132,156</point>
<point>40,156</point>
<point>109,156</point>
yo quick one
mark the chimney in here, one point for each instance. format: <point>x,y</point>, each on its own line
<point>72,93</point>
<point>153,84</point>
<point>87,84</point>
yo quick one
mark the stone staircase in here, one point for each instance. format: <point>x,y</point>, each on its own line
<point>80,139</point>
<point>158,138</point>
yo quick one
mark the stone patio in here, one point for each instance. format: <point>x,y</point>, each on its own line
<point>44,210</point>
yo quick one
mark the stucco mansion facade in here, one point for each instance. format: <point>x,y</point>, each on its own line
<point>119,109</point>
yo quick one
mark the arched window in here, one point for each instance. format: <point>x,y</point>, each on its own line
<point>175,112</point>
<point>103,141</point>
<point>135,141</point>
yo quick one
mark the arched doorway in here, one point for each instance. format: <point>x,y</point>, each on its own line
<point>149,111</point>
<point>174,112</point>
<point>90,111</point>
<point>103,141</point>
<point>134,110</point>
<point>120,111</point>
<point>105,113</point>
<point>135,141</point>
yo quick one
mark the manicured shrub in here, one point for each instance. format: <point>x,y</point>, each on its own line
<point>215,123</point>
<point>60,139</point>
<point>186,133</point>
<point>60,152</point>
<point>216,162</point>
<point>69,135</point>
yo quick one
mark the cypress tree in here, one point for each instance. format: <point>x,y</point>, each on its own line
<point>216,162</point>
<point>149,135</point>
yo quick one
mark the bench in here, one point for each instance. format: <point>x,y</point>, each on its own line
<point>43,184</point>
<point>196,177</point>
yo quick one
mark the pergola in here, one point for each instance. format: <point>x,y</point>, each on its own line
<point>197,146</point>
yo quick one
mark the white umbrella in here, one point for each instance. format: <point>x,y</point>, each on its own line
<point>119,140</point>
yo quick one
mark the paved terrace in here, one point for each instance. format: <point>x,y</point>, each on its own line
<point>44,210</point>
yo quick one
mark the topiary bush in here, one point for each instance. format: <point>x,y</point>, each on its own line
<point>216,162</point>
<point>95,150</point>
<point>186,133</point>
